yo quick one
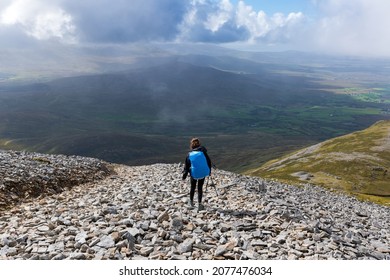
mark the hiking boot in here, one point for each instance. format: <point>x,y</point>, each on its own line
<point>200,207</point>
<point>191,204</point>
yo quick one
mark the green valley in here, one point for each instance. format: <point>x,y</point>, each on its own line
<point>247,108</point>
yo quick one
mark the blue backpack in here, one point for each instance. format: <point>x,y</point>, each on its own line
<point>199,167</point>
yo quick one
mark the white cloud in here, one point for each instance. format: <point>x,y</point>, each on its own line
<point>142,20</point>
<point>261,26</point>
<point>39,19</point>
<point>209,21</point>
<point>221,21</point>
<point>55,24</point>
<point>223,14</point>
<point>356,27</point>
<point>256,22</point>
<point>344,26</point>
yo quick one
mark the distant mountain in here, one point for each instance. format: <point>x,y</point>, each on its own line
<point>358,163</point>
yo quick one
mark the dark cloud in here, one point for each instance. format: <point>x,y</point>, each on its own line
<point>126,21</point>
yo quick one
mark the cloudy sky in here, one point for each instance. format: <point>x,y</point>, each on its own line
<point>357,27</point>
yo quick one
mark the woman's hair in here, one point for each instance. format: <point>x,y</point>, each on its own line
<point>195,143</point>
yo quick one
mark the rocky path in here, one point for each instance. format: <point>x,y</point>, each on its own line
<point>141,213</point>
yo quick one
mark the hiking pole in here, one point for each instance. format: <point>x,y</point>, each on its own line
<point>207,183</point>
<point>213,185</point>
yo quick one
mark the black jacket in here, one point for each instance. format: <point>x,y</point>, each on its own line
<point>187,164</point>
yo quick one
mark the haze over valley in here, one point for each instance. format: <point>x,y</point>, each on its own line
<point>247,107</point>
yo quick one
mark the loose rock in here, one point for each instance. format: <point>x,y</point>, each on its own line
<point>83,212</point>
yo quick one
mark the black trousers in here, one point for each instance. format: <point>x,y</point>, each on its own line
<point>194,183</point>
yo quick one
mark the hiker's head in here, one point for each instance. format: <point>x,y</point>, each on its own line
<point>195,143</point>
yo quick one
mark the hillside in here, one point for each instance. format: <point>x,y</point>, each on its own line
<point>139,212</point>
<point>357,163</point>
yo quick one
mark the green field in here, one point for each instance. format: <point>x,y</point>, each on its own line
<point>371,95</point>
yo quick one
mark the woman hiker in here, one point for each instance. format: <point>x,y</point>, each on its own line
<point>198,164</point>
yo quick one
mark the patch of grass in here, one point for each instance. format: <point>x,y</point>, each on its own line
<point>372,95</point>
<point>10,145</point>
<point>374,198</point>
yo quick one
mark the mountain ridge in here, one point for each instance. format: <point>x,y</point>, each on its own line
<point>357,163</point>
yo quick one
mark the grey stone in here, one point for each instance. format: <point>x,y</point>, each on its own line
<point>186,246</point>
<point>163,217</point>
<point>106,242</point>
<point>134,231</point>
<point>178,257</point>
<point>177,224</point>
<point>145,251</point>
<point>282,237</point>
<point>381,247</point>
<point>77,256</point>
<point>251,255</point>
<point>81,237</point>
<point>43,228</point>
<point>222,249</point>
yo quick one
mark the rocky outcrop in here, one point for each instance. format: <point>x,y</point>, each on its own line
<point>141,213</point>
<point>28,175</point>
